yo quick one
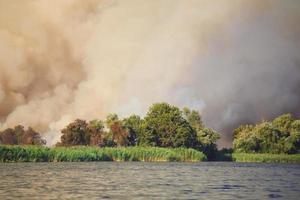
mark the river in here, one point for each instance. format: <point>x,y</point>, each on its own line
<point>138,180</point>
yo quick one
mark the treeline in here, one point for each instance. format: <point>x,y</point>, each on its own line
<point>163,126</point>
<point>168,126</point>
<point>282,135</point>
<point>20,136</point>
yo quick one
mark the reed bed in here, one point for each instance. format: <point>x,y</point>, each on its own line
<point>85,153</point>
<point>266,158</point>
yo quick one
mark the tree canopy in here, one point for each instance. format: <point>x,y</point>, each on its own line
<point>21,136</point>
<point>282,135</point>
<point>206,138</point>
<point>133,124</point>
<point>164,125</point>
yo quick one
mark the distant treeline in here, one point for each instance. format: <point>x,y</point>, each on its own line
<point>167,126</point>
<point>282,135</point>
<point>20,136</point>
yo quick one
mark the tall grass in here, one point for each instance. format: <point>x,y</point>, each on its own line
<point>83,153</point>
<point>267,158</point>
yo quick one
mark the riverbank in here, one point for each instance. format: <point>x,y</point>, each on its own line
<point>265,158</point>
<point>16,153</point>
<point>85,154</point>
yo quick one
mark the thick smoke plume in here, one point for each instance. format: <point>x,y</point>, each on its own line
<point>235,61</point>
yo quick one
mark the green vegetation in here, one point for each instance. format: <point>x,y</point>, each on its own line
<point>267,158</point>
<point>86,153</point>
<point>166,133</point>
<point>229,155</point>
<point>163,126</point>
<point>281,136</point>
<point>206,138</point>
<point>275,141</point>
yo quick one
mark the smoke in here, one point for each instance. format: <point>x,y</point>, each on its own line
<point>235,61</point>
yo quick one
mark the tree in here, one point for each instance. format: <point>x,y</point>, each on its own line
<point>245,140</point>
<point>206,137</point>
<point>96,132</point>
<point>20,131</point>
<point>283,123</point>
<point>165,126</point>
<point>292,144</point>
<point>241,129</point>
<point>117,131</point>
<point>111,119</point>
<point>8,136</point>
<point>75,134</point>
<point>31,137</point>
<point>268,138</point>
<point>194,118</point>
<point>282,135</point>
<point>20,136</point>
<point>133,124</point>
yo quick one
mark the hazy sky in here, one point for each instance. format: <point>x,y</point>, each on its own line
<point>236,61</point>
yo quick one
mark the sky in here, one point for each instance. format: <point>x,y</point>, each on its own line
<point>235,61</point>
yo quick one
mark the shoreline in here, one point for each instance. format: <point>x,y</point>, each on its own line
<point>88,153</point>
<point>266,158</point>
<point>17,153</point>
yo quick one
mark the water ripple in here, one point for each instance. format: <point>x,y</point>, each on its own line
<point>133,180</point>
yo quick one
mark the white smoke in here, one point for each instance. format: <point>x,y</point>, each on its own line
<point>236,61</point>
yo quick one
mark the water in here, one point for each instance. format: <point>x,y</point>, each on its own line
<point>136,180</point>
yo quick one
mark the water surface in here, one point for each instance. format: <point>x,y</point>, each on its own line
<point>137,180</point>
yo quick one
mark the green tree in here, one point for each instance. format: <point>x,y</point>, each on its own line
<point>282,135</point>
<point>165,126</point>
<point>268,138</point>
<point>245,140</point>
<point>133,124</point>
<point>283,123</point>
<point>206,137</point>
<point>292,144</point>
<point>241,129</point>
<point>194,118</point>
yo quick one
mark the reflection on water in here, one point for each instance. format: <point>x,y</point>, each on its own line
<point>134,180</point>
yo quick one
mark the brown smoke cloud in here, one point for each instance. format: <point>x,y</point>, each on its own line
<point>236,61</point>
